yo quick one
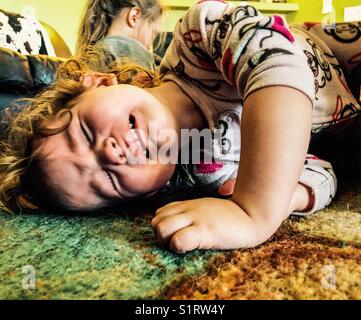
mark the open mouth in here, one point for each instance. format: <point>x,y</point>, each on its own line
<point>133,126</point>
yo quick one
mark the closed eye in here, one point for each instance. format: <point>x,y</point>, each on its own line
<point>86,135</point>
<point>110,179</point>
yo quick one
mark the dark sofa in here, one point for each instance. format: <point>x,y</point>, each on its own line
<point>23,76</point>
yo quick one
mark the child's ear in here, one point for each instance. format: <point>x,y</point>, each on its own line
<point>97,79</point>
<point>133,16</point>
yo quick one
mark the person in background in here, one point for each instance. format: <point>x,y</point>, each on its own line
<point>127,18</point>
<point>124,27</point>
<point>123,30</point>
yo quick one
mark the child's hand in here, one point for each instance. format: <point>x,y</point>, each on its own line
<point>205,223</point>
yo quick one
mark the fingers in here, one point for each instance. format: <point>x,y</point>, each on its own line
<point>226,189</point>
<point>187,239</point>
<point>174,225</point>
<point>172,206</point>
<point>166,211</point>
<point>166,228</point>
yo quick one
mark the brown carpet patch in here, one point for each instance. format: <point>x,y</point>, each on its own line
<point>318,257</point>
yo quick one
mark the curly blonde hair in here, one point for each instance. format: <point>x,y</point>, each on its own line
<point>18,163</point>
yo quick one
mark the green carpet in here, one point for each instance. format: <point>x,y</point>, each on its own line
<point>102,257</point>
<point>112,257</point>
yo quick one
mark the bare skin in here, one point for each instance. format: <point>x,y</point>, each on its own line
<point>130,23</point>
<point>266,189</point>
<point>87,163</point>
<point>211,223</point>
<point>264,195</point>
<point>302,199</point>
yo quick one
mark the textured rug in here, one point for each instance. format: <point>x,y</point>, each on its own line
<point>112,257</point>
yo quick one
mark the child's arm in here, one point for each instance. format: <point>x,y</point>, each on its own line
<point>275,138</point>
<point>302,199</point>
<point>254,59</point>
<point>315,190</point>
<point>274,145</point>
<point>282,125</point>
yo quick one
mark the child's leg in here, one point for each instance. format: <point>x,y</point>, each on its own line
<point>316,188</point>
<point>344,40</point>
<point>302,200</point>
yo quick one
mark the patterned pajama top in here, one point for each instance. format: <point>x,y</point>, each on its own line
<point>221,53</point>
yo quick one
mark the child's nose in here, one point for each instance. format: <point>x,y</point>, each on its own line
<point>111,152</point>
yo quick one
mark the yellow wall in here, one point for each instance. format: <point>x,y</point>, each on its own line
<point>311,10</point>
<point>64,15</point>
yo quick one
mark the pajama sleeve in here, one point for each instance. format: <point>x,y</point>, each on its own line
<point>216,41</point>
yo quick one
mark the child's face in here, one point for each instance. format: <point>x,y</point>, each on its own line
<point>86,163</point>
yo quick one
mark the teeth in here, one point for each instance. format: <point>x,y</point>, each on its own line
<point>131,122</point>
<point>144,149</point>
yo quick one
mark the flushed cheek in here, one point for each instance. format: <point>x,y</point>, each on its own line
<point>104,121</point>
<point>106,116</point>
